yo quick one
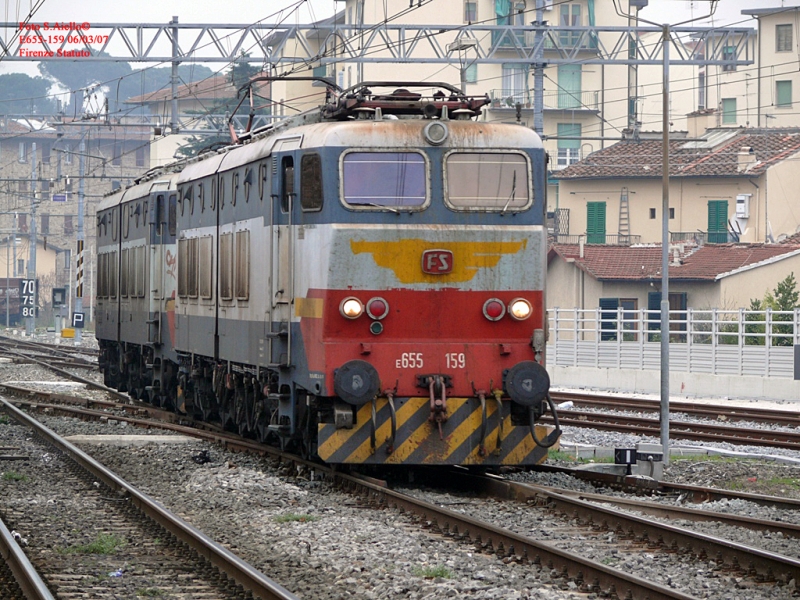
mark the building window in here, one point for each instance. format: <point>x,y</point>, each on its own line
<point>515,84</point>
<point>471,73</point>
<point>470,11</point>
<point>519,13</point>
<point>671,213</point>
<point>68,229</point>
<point>67,154</point>
<point>652,213</point>
<point>783,94</point>
<point>20,266</point>
<point>729,111</point>
<point>45,224</point>
<point>140,156</point>
<point>569,144</point>
<point>117,156</point>
<point>45,153</point>
<point>596,222</point>
<point>23,152</point>
<point>609,313</point>
<point>22,223</point>
<point>717,221</point>
<point>22,186</point>
<point>729,53</point>
<point>570,16</point>
<point>783,38</point>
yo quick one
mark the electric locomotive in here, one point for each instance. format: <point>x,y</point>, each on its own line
<point>364,281</point>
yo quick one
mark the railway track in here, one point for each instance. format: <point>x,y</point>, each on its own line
<point>510,546</point>
<point>578,508</point>
<point>719,412</point>
<point>110,540</point>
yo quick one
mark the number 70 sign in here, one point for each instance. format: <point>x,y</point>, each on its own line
<point>27,297</point>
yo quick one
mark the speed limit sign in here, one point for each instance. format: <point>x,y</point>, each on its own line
<point>27,296</point>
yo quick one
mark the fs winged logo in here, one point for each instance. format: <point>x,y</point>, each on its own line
<point>456,261</point>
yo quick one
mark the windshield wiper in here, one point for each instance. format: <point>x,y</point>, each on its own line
<point>513,194</point>
<point>389,208</point>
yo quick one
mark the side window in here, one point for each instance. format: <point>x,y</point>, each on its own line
<point>172,217</point>
<point>248,183</point>
<point>234,188</point>
<point>112,274</point>
<point>206,271</point>
<point>226,266</point>
<point>311,182</point>
<point>183,268</point>
<point>262,180</point>
<point>242,265</point>
<point>102,275</point>
<point>123,274</point>
<point>287,182</point>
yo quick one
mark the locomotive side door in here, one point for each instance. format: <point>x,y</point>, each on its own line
<point>283,267</point>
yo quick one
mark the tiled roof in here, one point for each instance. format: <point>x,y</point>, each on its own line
<point>218,87</point>
<point>643,263</point>
<point>643,158</point>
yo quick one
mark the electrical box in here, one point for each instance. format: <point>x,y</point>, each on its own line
<point>743,206</point>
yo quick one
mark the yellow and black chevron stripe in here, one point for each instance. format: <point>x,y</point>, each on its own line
<point>418,442</point>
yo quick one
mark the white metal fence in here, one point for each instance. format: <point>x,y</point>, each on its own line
<point>718,342</point>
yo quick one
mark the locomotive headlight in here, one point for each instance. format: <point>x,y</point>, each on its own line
<point>493,309</point>
<point>351,308</point>
<point>520,309</point>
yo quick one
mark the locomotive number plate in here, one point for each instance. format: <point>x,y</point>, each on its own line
<point>410,360</point>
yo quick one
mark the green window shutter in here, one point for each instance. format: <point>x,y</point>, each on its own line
<point>569,86</point>
<point>783,93</point>
<point>571,130</point>
<point>596,222</point>
<point>717,221</point>
<point>471,73</point>
<point>608,318</point>
<point>728,111</point>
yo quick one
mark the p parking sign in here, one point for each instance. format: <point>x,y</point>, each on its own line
<point>77,320</point>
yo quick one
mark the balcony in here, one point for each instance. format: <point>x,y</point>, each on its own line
<point>564,100</point>
<point>602,239</point>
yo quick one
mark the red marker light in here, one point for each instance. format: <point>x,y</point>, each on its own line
<point>377,308</point>
<point>493,309</point>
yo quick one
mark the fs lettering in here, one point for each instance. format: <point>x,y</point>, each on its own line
<point>437,262</point>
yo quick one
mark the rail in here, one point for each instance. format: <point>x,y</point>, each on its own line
<point>717,342</point>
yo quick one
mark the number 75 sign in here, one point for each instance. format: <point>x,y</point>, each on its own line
<point>27,297</point>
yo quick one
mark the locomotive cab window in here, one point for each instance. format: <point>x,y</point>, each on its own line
<point>491,181</point>
<point>384,179</point>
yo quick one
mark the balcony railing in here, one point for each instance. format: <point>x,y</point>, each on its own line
<point>579,39</point>
<point>561,100</point>
<point>698,237</point>
<point>606,239</point>
<point>564,100</point>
